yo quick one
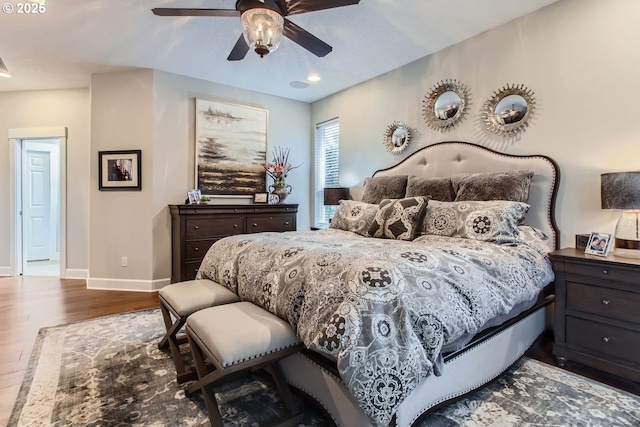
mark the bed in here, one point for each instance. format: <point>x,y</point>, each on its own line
<point>409,299</point>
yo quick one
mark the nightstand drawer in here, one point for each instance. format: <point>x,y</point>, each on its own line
<point>603,338</point>
<point>213,227</point>
<point>256,224</point>
<point>606,302</point>
<point>604,272</point>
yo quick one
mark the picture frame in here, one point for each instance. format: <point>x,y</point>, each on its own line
<point>230,149</point>
<point>120,170</point>
<point>599,244</point>
<point>194,197</point>
<point>261,198</point>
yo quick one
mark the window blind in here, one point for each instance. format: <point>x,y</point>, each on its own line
<point>327,167</point>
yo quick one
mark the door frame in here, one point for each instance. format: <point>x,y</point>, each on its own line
<point>15,192</point>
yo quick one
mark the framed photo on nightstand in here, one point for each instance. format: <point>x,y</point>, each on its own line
<point>599,244</point>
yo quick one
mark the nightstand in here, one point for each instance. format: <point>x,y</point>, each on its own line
<point>597,317</point>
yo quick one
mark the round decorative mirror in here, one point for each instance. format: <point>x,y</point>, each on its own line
<point>396,137</point>
<point>445,104</point>
<point>509,110</point>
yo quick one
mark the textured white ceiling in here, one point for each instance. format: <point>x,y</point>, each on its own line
<point>72,39</point>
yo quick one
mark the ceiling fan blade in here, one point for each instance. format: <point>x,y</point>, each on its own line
<point>164,11</point>
<point>239,51</point>
<point>306,39</point>
<point>294,7</point>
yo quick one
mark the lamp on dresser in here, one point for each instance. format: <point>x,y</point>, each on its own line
<point>621,190</point>
<point>333,195</point>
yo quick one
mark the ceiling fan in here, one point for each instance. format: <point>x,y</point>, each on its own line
<point>264,23</point>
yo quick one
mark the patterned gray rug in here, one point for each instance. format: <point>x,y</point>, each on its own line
<point>109,372</point>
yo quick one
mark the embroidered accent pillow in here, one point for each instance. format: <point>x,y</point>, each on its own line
<point>510,185</point>
<point>399,219</point>
<point>438,188</point>
<point>378,188</point>
<point>354,216</point>
<point>495,221</point>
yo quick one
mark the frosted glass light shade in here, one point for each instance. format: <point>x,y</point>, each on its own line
<point>3,70</point>
<point>262,29</point>
<point>627,236</point>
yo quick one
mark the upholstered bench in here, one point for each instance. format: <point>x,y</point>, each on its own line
<point>239,337</point>
<point>177,302</point>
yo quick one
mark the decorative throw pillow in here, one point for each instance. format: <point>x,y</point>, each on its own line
<point>354,216</point>
<point>438,188</point>
<point>496,221</point>
<point>378,188</point>
<point>399,219</point>
<point>511,185</point>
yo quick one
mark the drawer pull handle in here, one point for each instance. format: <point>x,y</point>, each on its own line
<point>235,225</point>
<point>605,271</point>
<point>286,223</point>
<point>196,249</point>
<point>606,339</point>
<point>606,301</point>
<point>255,225</point>
<point>195,227</point>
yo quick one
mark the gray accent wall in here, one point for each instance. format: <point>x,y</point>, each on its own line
<point>581,59</point>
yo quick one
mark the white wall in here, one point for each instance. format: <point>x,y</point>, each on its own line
<point>51,108</point>
<point>581,59</point>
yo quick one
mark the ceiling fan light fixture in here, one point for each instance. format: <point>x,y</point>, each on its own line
<point>4,72</point>
<point>262,29</point>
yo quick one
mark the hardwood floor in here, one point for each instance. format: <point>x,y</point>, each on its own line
<point>30,303</point>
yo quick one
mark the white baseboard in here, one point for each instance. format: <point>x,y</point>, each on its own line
<point>6,271</point>
<point>127,285</point>
<point>74,273</point>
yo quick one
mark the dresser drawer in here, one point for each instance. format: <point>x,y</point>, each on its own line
<point>612,303</point>
<point>601,271</point>
<point>603,338</point>
<point>257,224</point>
<point>191,269</point>
<point>198,248</point>
<point>204,227</point>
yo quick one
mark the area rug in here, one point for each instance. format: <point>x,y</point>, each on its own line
<point>109,372</point>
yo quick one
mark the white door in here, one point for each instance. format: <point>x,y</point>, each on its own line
<point>37,205</point>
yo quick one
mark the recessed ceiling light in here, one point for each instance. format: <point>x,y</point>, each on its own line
<point>298,84</point>
<point>313,78</point>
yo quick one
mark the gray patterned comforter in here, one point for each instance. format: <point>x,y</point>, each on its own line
<point>382,308</point>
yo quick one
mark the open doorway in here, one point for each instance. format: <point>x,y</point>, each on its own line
<point>40,207</point>
<point>38,201</point>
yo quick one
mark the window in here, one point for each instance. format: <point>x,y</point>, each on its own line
<point>327,168</point>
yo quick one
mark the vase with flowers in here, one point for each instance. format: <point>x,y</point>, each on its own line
<point>278,169</point>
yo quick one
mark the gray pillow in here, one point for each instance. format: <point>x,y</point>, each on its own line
<point>494,221</point>
<point>354,216</point>
<point>378,188</point>
<point>511,185</point>
<point>399,219</point>
<point>438,188</point>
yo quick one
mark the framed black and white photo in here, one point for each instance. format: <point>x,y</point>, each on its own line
<point>120,170</point>
<point>261,198</point>
<point>599,244</point>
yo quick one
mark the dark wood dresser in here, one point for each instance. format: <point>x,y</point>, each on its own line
<point>597,318</point>
<point>194,228</point>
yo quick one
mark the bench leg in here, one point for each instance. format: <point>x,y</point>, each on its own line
<point>171,339</point>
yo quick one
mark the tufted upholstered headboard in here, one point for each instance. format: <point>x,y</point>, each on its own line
<point>449,158</point>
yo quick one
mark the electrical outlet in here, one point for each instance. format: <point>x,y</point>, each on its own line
<point>124,261</point>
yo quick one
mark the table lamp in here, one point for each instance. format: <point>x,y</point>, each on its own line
<point>621,190</point>
<point>333,195</point>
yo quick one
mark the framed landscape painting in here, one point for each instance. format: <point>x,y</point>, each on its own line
<point>231,148</point>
